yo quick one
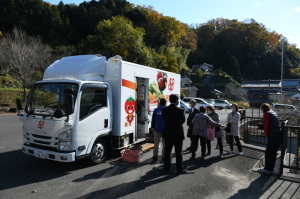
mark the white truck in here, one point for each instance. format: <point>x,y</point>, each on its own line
<point>86,106</point>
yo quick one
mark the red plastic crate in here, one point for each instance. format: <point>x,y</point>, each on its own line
<point>129,155</point>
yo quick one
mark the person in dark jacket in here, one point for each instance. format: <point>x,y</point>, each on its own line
<point>193,111</point>
<point>173,134</point>
<point>273,134</point>
<point>157,124</point>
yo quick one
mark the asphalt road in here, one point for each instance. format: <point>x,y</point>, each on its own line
<point>23,176</point>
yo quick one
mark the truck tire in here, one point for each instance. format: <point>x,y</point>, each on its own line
<point>99,152</point>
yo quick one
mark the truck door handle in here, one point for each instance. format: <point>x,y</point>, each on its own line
<point>105,123</point>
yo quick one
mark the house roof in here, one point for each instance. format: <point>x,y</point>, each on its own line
<point>184,80</point>
<point>184,77</point>
<point>296,95</point>
<point>203,66</point>
<point>190,88</point>
<point>291,83</point>
<point>272,83</point>
<point>261,84</point>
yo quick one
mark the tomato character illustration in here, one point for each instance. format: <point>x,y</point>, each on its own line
<point>130,109</point>
<point>162,80</point>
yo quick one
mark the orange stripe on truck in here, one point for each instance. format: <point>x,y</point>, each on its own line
<point>128,84</point>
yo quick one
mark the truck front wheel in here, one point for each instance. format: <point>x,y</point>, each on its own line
<point>98,152</point>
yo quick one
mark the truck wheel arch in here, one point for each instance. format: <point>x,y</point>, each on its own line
<point>99,150</point>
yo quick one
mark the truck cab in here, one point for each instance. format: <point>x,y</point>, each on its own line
<point>54,132</point>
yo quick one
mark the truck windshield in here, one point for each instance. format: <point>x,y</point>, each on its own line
<point>46,98</point>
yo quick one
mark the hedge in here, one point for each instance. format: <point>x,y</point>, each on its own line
<point>8,96</point>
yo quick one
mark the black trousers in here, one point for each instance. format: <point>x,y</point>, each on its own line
<point>220,144</point>
<point>273,145</point>
<point>195,140</point>
<point>191,139</point>
<point>208,144</point>
<point>237,141</point>
<point>169,143</point>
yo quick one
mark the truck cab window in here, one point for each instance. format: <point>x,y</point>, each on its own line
<point>92,99</point>
<point>45,98</point>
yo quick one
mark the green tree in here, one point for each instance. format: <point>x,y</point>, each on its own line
<point>291,61</point>
<point>245,50</point>
<point>118,36</point>
<point>296,72</point>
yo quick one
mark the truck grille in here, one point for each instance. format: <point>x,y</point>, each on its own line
<point>40,142</point>
<point>44,147</point>
<point>40,136</point>
<point>43,141</point>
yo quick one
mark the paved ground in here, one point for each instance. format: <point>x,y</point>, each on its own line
<point>22,176</point>
<point>230,177</point>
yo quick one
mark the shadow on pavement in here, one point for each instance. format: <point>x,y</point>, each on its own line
<point>270,186</point>
<point>117,167</point>
<point>257,188</point>
<point>152,177</point>
<point>19,169</point>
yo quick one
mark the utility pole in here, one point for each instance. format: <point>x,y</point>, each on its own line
<point>282,50</point>
<point>269,99</point>
<point>189,84</point>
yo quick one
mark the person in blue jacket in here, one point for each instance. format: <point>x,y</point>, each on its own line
<point>157,124</point>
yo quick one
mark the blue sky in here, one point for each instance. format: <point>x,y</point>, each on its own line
<point>281,16</point>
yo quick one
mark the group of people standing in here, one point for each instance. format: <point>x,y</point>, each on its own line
<point>203,124</point>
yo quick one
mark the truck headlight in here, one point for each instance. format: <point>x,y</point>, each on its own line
<point>65,136</point>
<point>65,146</point>
<point>64,140</point>
<point>25,137</point>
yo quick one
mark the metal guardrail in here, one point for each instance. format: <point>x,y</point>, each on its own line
<point>252,132</point>
<point>290,150</point>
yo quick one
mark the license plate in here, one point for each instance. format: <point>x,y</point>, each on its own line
<point>40,154</point>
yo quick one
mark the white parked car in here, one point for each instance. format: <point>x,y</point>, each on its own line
<point>219,104</point>
<point>222,104</point>
<point>284,107</point>
<point>210,101</point>
<point>199,101</point>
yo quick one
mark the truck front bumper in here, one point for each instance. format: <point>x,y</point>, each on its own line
<point>50,155</point>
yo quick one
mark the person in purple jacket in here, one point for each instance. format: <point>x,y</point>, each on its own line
<point>201,122</point>
<point>157,124</point>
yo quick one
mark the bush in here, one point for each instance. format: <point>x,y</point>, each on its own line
<point>7,81</point>
<point>183,94</point>
<point>241,104</point>
<point>12,110</point>
<point>9,96</point>
<point>293,117</point>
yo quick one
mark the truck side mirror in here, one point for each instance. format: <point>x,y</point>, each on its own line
<point>58,113</point>
<point>19,105</point>
<point>69,104</point>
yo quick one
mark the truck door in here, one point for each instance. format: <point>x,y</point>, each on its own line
<point>143,113</point>
<point>94,113</point>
